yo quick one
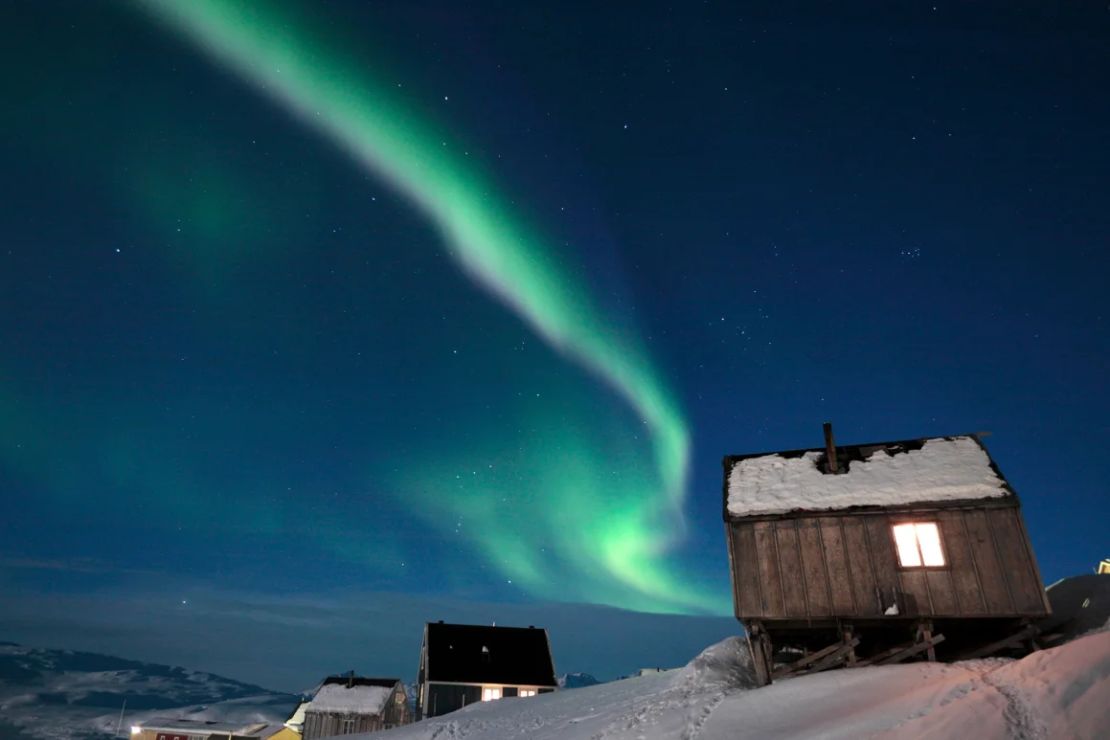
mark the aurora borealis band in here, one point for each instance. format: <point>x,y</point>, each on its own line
<point>627,538</point>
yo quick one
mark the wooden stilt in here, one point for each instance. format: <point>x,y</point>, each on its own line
<point>925,634</point>
<point>846,637</point>
<point>759,643</point>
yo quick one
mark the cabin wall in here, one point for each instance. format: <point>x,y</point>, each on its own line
<point>845,565</point>
<point>396,712</point>
<point>443,698</point>
<point>327,724</point>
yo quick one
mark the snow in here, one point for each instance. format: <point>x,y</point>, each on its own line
<point>1062,692</point>
<point>944,469</point>
<point>334,697</point>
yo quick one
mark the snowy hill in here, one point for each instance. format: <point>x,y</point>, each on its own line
<point>1062,692</point>
<point>576,680</point>
<point>67,695</point>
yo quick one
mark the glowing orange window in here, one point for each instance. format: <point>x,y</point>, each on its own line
<point>918,545</point>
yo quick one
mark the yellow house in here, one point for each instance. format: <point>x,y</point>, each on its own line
<point>1104,567</point>
<point>285,733</point>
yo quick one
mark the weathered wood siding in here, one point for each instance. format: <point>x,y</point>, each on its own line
<point>327,724</point>
<point>845,565</point>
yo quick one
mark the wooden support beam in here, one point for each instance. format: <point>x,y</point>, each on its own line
<point>987,650</point>
<point>1050,640</point>
<point>925,634</point>
<point>911,651</point>
<point>820,660</point>
<point>898,653</point>
<point>846,650</point>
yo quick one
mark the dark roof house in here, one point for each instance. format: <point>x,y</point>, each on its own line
<point>461,664</point>
<point>878,553</point>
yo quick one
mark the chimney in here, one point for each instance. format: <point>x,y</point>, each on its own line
<point>830,448</point>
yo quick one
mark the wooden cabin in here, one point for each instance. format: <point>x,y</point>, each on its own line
<point>878,553</point>
<point>344,705</point>
<point>462,664</point>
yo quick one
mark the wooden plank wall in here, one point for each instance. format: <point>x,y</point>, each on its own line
<point>845,565</point>
<point>328,724</point>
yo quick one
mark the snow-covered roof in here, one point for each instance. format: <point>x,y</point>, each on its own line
<point>193,726</point>
<point>296,719</point>
<point>356,699</point>
<point>940,469</point>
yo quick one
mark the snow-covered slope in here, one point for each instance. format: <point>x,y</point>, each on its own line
<point>1063,692</point>
<point>576,680</point>
<point>67,695</point>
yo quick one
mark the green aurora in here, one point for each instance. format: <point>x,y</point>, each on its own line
<point>615,542</point>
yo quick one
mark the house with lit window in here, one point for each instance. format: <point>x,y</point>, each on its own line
<point>345,705</point>
<point>872,554</point>
<point>462,664</point>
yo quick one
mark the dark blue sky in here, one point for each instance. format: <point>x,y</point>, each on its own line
<point>233,358</point>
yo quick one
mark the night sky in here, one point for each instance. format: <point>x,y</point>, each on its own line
<point>425,303</point>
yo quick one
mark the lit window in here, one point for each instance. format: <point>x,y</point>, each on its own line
<point>492,693</point>
<point>527,692</point>
<point>918,545</point>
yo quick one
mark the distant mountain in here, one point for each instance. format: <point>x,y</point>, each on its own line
<point>69,695</point>
<point>577,681</point>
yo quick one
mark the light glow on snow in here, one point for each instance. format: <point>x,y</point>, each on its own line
<point>625,528</point>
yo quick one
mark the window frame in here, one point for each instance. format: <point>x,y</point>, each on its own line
<point>947,562</point>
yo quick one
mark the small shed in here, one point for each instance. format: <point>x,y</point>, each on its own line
<point>462,664</point>
<point>344,705</point>
<point>878,553</point>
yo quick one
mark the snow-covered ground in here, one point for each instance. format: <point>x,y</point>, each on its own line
<point>1059,693</point>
